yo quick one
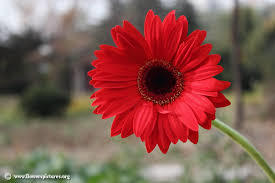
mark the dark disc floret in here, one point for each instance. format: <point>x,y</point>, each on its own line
<point>159,82</point>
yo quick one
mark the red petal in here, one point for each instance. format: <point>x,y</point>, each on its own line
<point>127,128</point>
<point>178,128</point>
<point>132,47</point>
<point>124,42</point>
<point>155,38</point>
<point>148,23</point>
<point>184,52</point>
<point>113,55</point>
<point>202,117</point>
<point>92,96</point>
<point>149,129</point>
<point>96,111</point>
<point>185,115</point>
<point>138,36</point>
<point>132,42</point>
<point>115,101</point>
<point>169,21</point>
<point>116,93</point>
<point>206,124</point>
<point>118,69</point>
<point>202,73</point>
<point>163,109</point>
<point>97,101</point>
<point>114,34</point>
<point>212,60</point>
<point>151,141</point>
<point>199,101</point>
<point>143,116</point>
<point>193,136</point>
<point>171,41</point>
<point>118,124</point>
<point>117,107</point>
<point>200,92</point>
<point>198,56</point>
<point>172,32</point>
<point>220,100</point>
<point>210,84</point>
<point>163,140</point>
<point>182,19</point>
<point>112,84</point>
<point>200,34</point>
<point>199,113</point>
<point>104,76</point>
<point>167,128</point>
<point>91,72</point>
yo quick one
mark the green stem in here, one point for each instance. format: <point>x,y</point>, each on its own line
<point>247,146</point>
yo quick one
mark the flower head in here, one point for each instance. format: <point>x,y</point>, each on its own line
<point>159,86</point>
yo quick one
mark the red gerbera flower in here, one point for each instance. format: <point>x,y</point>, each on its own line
<point>159,87</point>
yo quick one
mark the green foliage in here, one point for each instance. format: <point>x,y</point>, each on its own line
<point>14,68</point>
<point>111,172</point>
<point>261,48</point>
<point>220,34</point>
<point>41,162</point>
<point>9,110</point>
<point>247,23</point>
<point>250,73</point>
<point>44,101</point>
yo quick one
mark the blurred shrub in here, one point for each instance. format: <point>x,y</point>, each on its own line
<point>250,73</point>
<point>44,101</point>
<point>9,110</point>
<point>79,106</point>
<point>14,54</point>
<point>261,52</point>
<point>220,34</point>
<point>261,48</point>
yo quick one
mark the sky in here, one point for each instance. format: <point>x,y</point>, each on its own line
<point>11,19</point>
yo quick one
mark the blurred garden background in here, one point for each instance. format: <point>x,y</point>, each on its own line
<point>46,121</point>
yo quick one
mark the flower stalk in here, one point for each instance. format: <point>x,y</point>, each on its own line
<point>247,146</point>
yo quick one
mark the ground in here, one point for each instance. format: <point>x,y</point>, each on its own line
<point>86,138</point>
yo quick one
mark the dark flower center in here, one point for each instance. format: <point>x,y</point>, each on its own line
<point>159,82</point>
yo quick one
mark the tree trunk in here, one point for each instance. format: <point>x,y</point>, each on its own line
<point>236,67</point>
